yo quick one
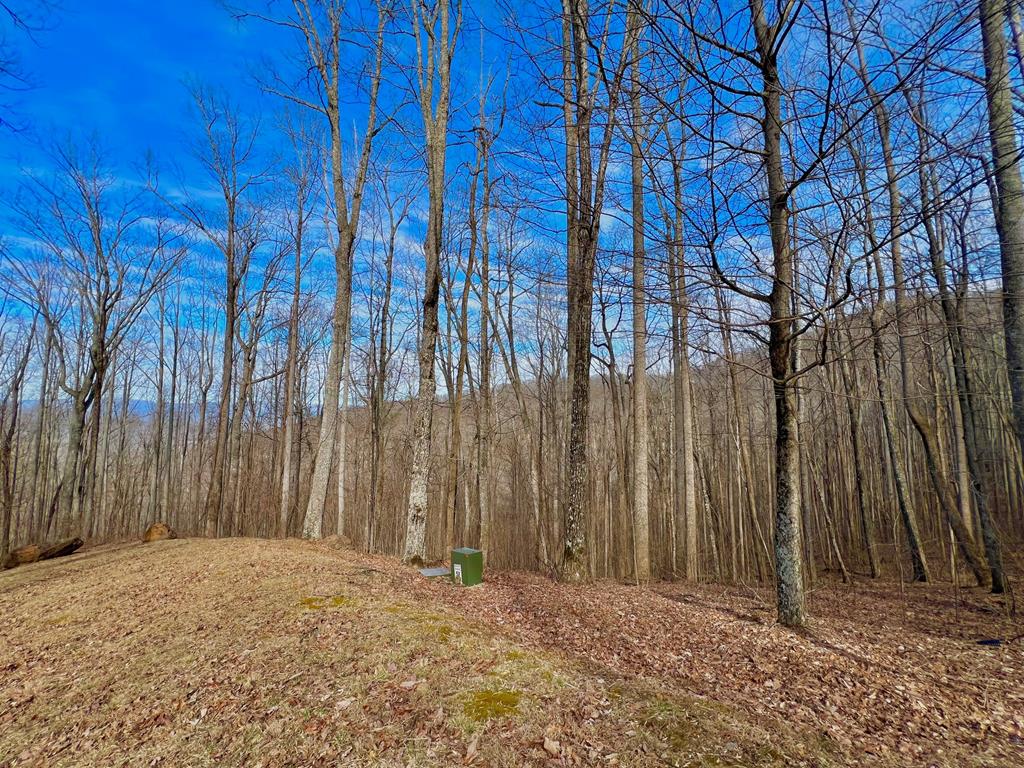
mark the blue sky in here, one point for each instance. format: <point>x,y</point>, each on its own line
<point>120,68</point>
<point>120,71</point>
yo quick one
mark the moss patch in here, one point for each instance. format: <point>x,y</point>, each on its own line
<point>488,704</point>
<point>319,602</point>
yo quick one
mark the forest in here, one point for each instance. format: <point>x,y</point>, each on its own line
<point>700,300</point>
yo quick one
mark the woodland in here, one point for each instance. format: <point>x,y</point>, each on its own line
<point>687,304</point>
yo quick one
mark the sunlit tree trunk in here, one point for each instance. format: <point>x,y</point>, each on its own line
<point>1009,224</point>
<point>435,33</point>
<point>641,431</point>
<point>326,48</point>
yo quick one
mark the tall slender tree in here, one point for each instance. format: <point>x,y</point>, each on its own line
<point>435,28</point>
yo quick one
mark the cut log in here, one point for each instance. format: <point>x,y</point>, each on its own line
<point>158,532</point>
<point>30,553</point>
<point>22,555</point>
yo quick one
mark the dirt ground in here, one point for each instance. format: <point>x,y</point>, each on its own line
<point>244,652</point>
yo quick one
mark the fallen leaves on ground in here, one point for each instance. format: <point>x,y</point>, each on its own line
<point>243,652</point>
<point>887,675</point>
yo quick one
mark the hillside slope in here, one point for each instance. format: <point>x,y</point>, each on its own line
<point>286,653</point>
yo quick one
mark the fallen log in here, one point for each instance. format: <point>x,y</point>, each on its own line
<point>61,548</point>
<point>22,555</point>
<point>31,553</point>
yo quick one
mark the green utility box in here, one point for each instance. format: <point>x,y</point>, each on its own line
<point>467,566</point>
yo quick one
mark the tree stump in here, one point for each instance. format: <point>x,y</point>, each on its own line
<point>158,532</point>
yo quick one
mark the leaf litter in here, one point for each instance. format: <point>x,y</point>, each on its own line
<point>286,653</point>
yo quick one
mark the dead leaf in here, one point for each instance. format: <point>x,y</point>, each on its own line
<point>472,749</point>
<point>552,747</point>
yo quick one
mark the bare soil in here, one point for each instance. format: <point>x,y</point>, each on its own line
<point>286,653</point>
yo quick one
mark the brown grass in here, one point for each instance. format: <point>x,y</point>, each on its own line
<point>283,653</point>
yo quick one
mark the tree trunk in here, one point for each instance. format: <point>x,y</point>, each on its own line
<point>788,561</point>
<point>1010,226</point>
<point>641,431</point>
<point>684,446</point>
<point>312,524</point>
<point>434,69</point>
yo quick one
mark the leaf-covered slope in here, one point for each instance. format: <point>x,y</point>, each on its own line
<point>284,653</point>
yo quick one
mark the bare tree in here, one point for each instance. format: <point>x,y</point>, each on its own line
<point>328,48</point>
<point>97,266</point>
<point>435,31</point>
<point>641,432</point>
<point>586,167</point>
<point>227,151</point>
<point>301,176</point>
<point>1009,224</point>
